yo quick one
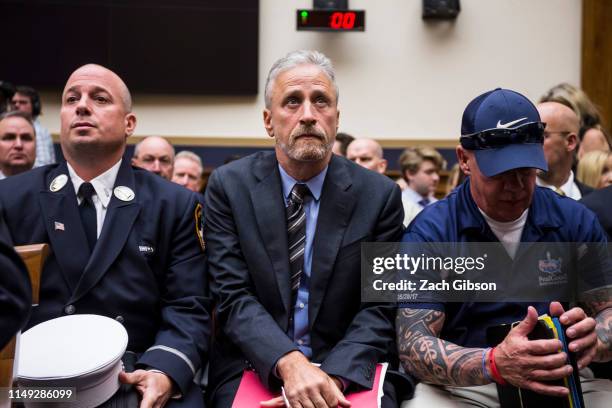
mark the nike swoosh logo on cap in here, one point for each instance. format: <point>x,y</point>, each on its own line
<point>507,125</point>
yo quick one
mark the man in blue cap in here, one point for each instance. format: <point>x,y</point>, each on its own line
<point>445,344</point>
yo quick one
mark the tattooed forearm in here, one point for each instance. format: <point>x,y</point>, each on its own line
<point>604,335</point>
<point>596,300</point>
<point>431,359</point>
<point>598,304</point>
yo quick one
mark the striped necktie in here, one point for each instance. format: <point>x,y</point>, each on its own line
<point>296,239</point>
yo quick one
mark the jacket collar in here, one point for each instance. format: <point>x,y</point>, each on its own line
<point>336,207</point>
<point>539,219</point>
<point>118,223</point>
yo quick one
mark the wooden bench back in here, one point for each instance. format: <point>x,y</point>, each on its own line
<point>34,258</point>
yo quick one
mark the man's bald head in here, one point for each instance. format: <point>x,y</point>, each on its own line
<point>558,114</point>
<point>367,153</point>
<point>155,154</point>
<point>560,141</point>
<point>90,71</point>
<point>368,144</point>
<point>95,120</point>
<point>149,142</point>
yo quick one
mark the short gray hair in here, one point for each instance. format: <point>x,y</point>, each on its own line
<point>189,155</point>
<point>19,114</point>
<point>295,58</point>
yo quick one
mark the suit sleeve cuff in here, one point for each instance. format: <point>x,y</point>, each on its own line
<point>275,367</point>
<point>345,383</point>
<point>171,362</point>
<point>269,375</point>
<point>356,366</point>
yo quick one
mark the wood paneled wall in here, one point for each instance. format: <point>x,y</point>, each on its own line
<point>597,55</point>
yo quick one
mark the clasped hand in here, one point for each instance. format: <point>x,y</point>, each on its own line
<point>530,363</point>
<point>154,387</point>
<point>306,385</point>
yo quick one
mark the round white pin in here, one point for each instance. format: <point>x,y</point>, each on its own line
<point>58,183</point>
<point>124,193</point>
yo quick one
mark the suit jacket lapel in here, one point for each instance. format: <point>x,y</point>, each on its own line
<point>119,220</point>
<point>269,207</point>
<point>336,206</point>
<point>64,228</point>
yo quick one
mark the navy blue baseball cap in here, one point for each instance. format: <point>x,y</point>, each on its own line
<point>504,130</point>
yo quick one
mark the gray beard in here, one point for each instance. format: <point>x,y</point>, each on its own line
<point>306,153</point>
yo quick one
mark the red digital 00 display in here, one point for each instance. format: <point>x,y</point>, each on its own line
<point>331,20</point>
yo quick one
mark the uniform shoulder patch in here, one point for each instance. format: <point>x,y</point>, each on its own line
<point>199,225</point>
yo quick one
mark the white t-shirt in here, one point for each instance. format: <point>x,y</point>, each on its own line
<point>508,233</point>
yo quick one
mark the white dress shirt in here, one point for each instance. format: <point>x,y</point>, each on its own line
<point>570,189</point>
<point>410,195</point>
<point>103,184</point>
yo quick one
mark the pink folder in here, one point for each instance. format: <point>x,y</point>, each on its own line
<point>251,391</point>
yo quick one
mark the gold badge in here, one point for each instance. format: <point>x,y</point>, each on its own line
<point>199,225</point>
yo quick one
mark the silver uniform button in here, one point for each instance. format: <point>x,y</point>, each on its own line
<point>124,193</point>
<point>120,319</point>
<point>70,309</point>
<point>301,305</point>
<point>300,342</point>
<point>58,183</point>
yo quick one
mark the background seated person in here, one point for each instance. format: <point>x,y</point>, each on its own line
<point>155,154</point>
<point>17,143</point>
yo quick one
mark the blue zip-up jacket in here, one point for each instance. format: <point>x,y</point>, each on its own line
<point>551,218</point>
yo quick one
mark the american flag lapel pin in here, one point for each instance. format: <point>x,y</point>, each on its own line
<point>59,226</point>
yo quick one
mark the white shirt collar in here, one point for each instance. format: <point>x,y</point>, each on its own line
<point>569,188</point>
<point>103,184</point>
<point>413,196</point>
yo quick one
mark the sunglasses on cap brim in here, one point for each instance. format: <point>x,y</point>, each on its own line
<point>529,133</point>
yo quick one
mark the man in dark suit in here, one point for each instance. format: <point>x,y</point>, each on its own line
<point>125,243</point>
<point>284,232</point>
<point>15,293</point>
<point>599,203</point>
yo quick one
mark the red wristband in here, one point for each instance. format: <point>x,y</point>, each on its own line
<point>494,372</point>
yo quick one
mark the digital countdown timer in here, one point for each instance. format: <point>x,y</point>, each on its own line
<point>331,20</point>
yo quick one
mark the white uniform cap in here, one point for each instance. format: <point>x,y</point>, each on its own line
<point>80,351</point>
